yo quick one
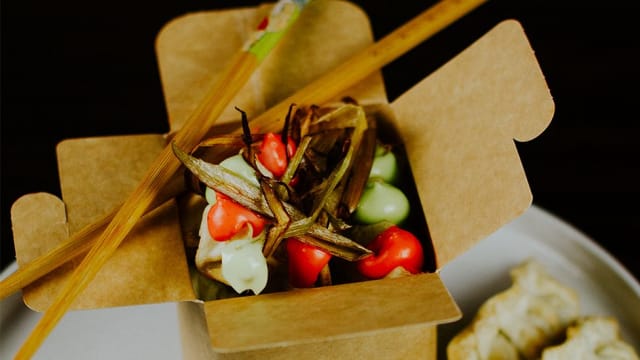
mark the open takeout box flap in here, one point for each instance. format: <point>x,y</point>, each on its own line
<point>96,174</point>
<point>494,69</point>
<point>194,50</point>
<point>328,313</point>
<point>459,126</point>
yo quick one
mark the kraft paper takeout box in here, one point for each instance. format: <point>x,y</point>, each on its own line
<point>458,126</point>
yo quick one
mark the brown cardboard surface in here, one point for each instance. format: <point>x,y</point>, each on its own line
<point>402,343</point>
<point>97,174</point>
<point>459,125</point>
<point>193,50</point>
<point>328,313</point>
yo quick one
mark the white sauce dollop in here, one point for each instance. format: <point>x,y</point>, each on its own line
<point>238,261</point>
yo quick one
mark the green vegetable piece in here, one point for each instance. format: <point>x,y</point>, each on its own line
<point>385,165</point>
<point>381,201</point>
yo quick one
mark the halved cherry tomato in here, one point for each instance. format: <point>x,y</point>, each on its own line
<point>273,155</point>
<point>305,262</point>
<point>392,248</point>
<point>226,218</point>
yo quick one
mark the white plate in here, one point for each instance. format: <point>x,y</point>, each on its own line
<point>604,286</point>
<point>132,332</point>
<point>151,331</point>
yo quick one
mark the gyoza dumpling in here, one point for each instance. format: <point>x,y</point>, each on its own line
<point>535,311</point>
<point>531,314</point>
<point>592,338</point>
<point>481,340</point>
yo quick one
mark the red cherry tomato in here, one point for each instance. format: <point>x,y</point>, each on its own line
<point>392,248</point>
<point>273,155</point>
<point>305,262</point>
<point>226,218</point>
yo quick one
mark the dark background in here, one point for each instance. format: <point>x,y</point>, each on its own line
<point>82,68</point>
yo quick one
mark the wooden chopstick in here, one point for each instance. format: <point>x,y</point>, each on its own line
<point>374,57</point>
<point>157,177</point>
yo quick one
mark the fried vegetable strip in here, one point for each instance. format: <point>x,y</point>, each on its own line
<point>276,232</point>
<point>252,197</point>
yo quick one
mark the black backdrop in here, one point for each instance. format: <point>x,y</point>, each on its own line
<point>80,68</point>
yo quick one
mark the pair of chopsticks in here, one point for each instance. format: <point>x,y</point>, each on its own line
<point>107,234</point>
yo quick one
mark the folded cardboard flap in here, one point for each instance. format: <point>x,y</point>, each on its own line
<point>193,51</point>
<point>459,125</point>
<point>416,342</point>
<point>328,313</point>
<point>96,174</point>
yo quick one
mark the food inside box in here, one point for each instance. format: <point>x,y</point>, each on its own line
<point>336,204</point>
